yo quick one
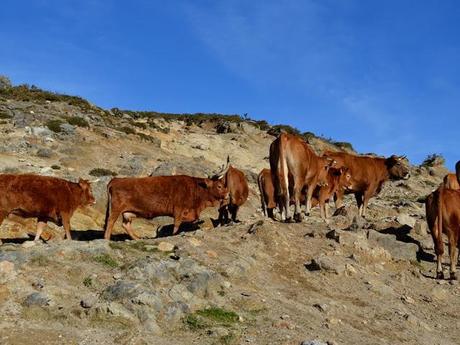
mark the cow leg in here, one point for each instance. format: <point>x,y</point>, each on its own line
<point>367,195</point>
<point>223,215</point>
<point>438,249</point>
<point>234,211</point>
<point>66,224</point>
<point>453,255</point>
<point>310,188</point>
<point>270,213</point>
<point>177,223</point>
<point>110,223</point>
<point>338,198</point>
<point>127,221</point>
<point>40,226</point>
<point>359,202</point>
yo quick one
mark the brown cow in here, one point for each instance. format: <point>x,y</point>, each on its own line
<point>336,179</point>
<point>443,216</point>
<point>49,199</point>
<point>292,157</point>
<point>450,181</point>
<point>368,175</point>
<point>182,197</point>
<point>238,190</point>
<point>457,171</point>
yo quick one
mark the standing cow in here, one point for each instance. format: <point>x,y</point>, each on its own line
<point>238,190</point>
<point>181,197</point>
<point>368,175</point>
<point>49,199</point>
<point>443,216</point>
<point>292,157</point>
<point>457,171</point>
<point>336,179</point>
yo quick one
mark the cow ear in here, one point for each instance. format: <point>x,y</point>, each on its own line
<point>204,183</point>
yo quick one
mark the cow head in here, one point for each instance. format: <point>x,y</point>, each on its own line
<point>215,187</point>
<point>87,194</point>
<point>325,163</point>
<point>397,167</point>
<point>345,179</point>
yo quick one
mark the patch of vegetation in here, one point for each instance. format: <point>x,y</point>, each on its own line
<point>126,130</point>
<point>277,129</point>
<point>343,145</point>
<point>55,167</point>
<point>78,121</point>
<point>40,260</point>
<point>106,260</point>
<point>88,282</point>
<point>99,172</point>
<point>26,93</point>
<point>139,124</point>
<point>148,138</point>
<point>433,160</point>
<point>4,115</point>
<point>228,339</point>
<point>154,126</point>
<point>194,323</point>
<point>54,125</point>
<point>219,316</point>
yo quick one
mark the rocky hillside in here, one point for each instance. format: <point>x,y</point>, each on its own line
<point>350,281</point>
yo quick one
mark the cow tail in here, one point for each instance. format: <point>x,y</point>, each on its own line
<point>108,209</point>
<point>262,196</point>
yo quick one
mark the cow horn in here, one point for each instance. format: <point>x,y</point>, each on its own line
<point>223,170</point>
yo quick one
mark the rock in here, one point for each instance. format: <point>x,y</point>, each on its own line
<point>67,128</point>
<point>420,228</point>
<point>323,307</point>
<point>28,244</point>
<point>40,131</point>
<point>44,153</point>
<point>326,263</point>
<point>405,219</point>
<point>120,290</point>
<point>7,272</point>
<point>397,249</point>
<point>37,298</point>
<point>357,224</point>
<point>165,247</point>
<point>313,342</point>
<point>88,302</point>
<point>207,224</point>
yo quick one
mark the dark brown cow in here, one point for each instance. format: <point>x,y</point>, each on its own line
<point>336,179</point>
<point>457,171</point>
<point>443,216</point>
<point>292,157</point>
<point>368,175</point>
<point>49,199</point>
<point>238,192</point>
<point>182,197</point>
<point>450,181</point>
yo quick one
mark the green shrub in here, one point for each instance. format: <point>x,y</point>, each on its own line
<point>54,125</point>
<point>139,124</point>
<point>78,121</point>
<point>126,130</point>
<point>343,145</point>
<point>219,315</point>
<point>106,260</point>
<point>88,282</point>
<point>55,167</point>
<point>99,172</point>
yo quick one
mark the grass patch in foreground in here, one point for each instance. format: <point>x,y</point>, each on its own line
<point>106,260</point>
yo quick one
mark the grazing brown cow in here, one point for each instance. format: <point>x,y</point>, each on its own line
<point>443,216</point>
<point>336,179</point>
<point>238,192</point>
<point>368,175</point>
<point>49,199</point>
<point>292,157</point>
<point>450,181</point>
<point>182,197</point>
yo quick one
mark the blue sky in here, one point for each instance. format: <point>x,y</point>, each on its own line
<point>383,75</point>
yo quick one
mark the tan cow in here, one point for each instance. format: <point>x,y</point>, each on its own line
<point>292,157</point>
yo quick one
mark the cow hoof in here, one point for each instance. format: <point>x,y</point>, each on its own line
<point>440,275</point>
<point>298,218</point>
<point>453,276</point>
<point>289,220</point>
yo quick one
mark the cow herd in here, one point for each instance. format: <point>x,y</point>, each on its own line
<point>297,175</point>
